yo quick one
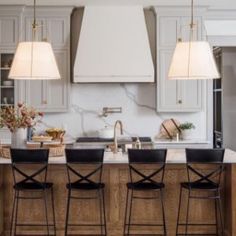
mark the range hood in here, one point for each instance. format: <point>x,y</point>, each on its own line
<point>113,46</point>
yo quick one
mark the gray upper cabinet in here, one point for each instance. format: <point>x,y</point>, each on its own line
<point>10,25</point>
<point>175,95</point>
<point>53,26</point>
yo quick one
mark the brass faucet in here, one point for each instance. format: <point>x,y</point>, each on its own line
<point>118,122</point>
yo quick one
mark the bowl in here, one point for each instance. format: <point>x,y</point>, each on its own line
<point>106,133</point>
<point>56,133</point>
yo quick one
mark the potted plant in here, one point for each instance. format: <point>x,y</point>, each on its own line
<point>186,130</point>
<point>17,120</point>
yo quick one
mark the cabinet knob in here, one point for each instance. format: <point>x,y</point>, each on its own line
<point>180,101</point>
<point>45,102</point>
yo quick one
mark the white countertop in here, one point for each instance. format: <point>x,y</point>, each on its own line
<point>190,141</point>
<point>174,156</point>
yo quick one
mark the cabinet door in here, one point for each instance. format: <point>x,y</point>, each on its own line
<point>185,28</point>
<point>57,91</point>
<point>176,95</point>
<point>41,29</point>
<point>168,91</point>
<point>169,29</point>
<point>9,31</point>
<point>56,32</point>
<point>36,94</point>
<point>51,95</point>
<point>191,95</point>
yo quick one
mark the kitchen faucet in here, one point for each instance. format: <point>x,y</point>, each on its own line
<point>118,122</point>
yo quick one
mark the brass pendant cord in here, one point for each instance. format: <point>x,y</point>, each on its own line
<point>191,38</point>
<point>34,25</point>
<point>34,28</point>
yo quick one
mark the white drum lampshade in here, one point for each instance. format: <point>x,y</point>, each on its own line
<point>34,61</point>
<point>193,60</point>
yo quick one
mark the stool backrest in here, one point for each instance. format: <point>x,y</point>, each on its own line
<point>84,165</point>
<point>147,165</point>
<point>29,165</point>
<point>198,158</point>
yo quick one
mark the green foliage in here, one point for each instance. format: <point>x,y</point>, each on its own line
<point>186,126</point>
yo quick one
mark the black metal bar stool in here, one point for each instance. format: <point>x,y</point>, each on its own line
<point>140,181</point>
<point>85,180</point>
<point>29,167</point>
<point>202,184</point>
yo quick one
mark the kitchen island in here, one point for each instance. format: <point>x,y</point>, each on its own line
<point>115,177</point>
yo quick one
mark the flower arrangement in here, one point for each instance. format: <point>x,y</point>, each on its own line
<point>186,126</point>
<point>19,117</point>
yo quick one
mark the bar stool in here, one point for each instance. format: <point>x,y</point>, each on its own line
<point>85,180</point>
<point>27,179</point>
<point>140,181</point>
<point>203,182</point>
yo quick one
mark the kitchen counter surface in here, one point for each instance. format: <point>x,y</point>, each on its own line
<point>174,156</point>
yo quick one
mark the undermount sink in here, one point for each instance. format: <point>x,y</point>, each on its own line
<point>110,140</point>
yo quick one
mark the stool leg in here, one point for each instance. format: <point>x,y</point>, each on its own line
<point>13,212</point>
<point>67,211</point>
<point>187,215</point>
<point>130,211</point>
<point>180,201</point>
<point>46,209</point>
<point>220,213</point>
<point>216,217</point>
<point>104,211</point>
<point>16,214</point>
<point>126,207</point>
<point>163,211</point>
<point>53,211</point>
<point>100,208</point>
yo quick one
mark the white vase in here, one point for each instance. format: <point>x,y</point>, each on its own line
<point>18,138</point>
<point>186,134</point>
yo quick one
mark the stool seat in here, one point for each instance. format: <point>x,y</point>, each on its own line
<point>145,186</point>
<point>199,186</point>
<point>33,186</point>
<point>85,186</point>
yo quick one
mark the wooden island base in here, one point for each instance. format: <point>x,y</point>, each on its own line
<point>115,177</point>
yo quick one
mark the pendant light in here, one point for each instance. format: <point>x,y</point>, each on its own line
<point>34,60</point>
<point>193,59</point>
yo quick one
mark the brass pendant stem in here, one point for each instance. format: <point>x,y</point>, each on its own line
<point>34,25</point>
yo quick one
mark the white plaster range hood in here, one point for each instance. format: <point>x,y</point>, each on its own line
<point>113,46</point>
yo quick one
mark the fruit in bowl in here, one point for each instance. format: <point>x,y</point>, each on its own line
<point>56,133</point>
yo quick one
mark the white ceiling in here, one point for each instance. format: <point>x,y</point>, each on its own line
<point>223,4</point>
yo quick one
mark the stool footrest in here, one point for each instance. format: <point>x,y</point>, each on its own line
<point>21,225</point>
<point>196,224</point>
<point>86,225</point>
<point>145,225</point>
<point>196,234</point>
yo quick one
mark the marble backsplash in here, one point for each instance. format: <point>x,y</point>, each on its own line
<point>139,116</point>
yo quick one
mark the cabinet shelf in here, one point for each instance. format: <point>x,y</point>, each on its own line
<point>5,68</point>
<point>6,105</point>
<point>6,86</point>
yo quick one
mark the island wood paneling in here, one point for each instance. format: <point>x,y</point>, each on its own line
<point>115,177</point>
